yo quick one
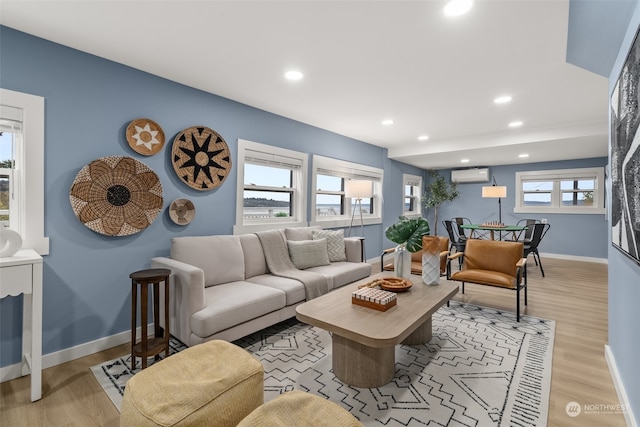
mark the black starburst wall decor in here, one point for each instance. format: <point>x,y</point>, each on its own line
<point>201,158</point>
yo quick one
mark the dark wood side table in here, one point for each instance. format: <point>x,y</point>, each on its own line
<point>160,342</point>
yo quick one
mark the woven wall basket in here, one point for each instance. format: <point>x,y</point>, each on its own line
<point>201,158</point>
<point>116,196</point>
<point>145,136</point>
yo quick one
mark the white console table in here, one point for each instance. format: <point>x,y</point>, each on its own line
<point>22,274</point>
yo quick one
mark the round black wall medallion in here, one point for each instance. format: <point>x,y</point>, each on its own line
<point>201,158</point>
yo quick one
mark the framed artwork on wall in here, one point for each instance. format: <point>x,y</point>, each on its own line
<point>625,157</point>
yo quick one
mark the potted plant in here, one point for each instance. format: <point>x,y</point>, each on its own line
<point>438,192</point>
<point>407,233</point>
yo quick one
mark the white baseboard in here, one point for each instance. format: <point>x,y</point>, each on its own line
<point>543,255</point>
<point>617,382</point>
<point>68,354</point>
<point>575,258</point>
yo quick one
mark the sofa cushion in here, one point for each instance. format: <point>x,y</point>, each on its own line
<point>308,253</point>
<point>254,261</point>
<point>335,243</point>
<point>220,257</point>
<point>300,233</point>
<point>293,289</point>
<point>230,304</point>
<point>340,273</point>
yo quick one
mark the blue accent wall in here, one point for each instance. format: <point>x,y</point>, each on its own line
<point>624,280</point>
<point>89,102</point>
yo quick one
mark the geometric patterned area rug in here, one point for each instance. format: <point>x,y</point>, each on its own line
<point>481,368</point>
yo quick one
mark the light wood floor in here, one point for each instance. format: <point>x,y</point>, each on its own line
<point>574,294</point>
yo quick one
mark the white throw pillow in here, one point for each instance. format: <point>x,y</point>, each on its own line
<point>308,253</point>
<point>335,243</point>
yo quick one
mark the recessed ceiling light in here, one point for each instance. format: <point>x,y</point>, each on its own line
<point>387,122</point>
<point>464,161</point>
<point>458,7</point>
<point>515,124</point>
<point>522,156</point>
<point>293,75</point>
<point>502,99</point>
<point>423,137</point>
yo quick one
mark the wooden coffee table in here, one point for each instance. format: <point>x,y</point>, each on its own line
<point>364,339</point>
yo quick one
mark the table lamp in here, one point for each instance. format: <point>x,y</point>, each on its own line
<point>495,191</point>
<point>357,189</point>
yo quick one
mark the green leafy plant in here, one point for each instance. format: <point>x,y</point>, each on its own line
<point>409,231</point>
<point>438,192</point>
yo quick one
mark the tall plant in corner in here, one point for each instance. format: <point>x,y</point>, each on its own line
<point>438,192</point>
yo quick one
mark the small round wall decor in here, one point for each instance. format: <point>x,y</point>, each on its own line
<point>116,196</point>
<point>182,211</point>
<point>201,158</point>
<point>145,136</point>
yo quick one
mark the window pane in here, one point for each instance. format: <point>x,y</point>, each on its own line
<point>537,199</point>
<point>577,198</point>
<point>408,190</point>
<point>329,205</point>
<point>583,184</point>
<point>5,175</point>
<point>537,185</point>
<point>409,205</point>
<point>266,204</point>
<point>367,207</point>
<point>266,176</point>
<point>328,183</point>
<point>4,200</point>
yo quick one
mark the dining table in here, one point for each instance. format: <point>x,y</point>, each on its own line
<point>514,229</point>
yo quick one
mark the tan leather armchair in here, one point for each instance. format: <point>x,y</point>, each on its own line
<point>416,258</point>
<point>492,263</point>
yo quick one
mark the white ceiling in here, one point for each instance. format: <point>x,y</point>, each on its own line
<point>363,61</point>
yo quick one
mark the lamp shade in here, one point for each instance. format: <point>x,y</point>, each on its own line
<point>358,189</point>
<point>494,191</point>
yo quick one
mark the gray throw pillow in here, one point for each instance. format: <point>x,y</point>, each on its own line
<point>308,253</point>
<point>335,243</point>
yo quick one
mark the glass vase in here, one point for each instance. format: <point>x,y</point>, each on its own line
<point>402,262</point>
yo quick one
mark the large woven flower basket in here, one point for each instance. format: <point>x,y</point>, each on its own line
<point>116,196</point>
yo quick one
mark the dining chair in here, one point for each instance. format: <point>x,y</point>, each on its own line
<point>525,235</point>
<point>455,239</point>
<point>460,220</point>
<point>538,231</point>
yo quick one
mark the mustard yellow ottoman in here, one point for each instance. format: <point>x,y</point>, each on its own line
<point>296,409</point>
<point>211,384</point>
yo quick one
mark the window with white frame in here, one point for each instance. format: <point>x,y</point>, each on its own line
<point>412,187</point>
<point>329,202</point>
<point>11,193</point>
<point>575,191</point>
<point>271,187</point>
<point>22,167</point>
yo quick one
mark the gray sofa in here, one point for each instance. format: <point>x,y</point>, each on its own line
<point>222,287</point>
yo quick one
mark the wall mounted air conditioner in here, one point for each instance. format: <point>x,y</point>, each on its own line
<point>470,175</point>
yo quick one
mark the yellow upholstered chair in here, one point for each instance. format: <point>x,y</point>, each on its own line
<point>416,258</point>
<point>492,263</point>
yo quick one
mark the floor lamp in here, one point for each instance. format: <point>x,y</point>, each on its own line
<point>495,191</point>
<point>357,189</point>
